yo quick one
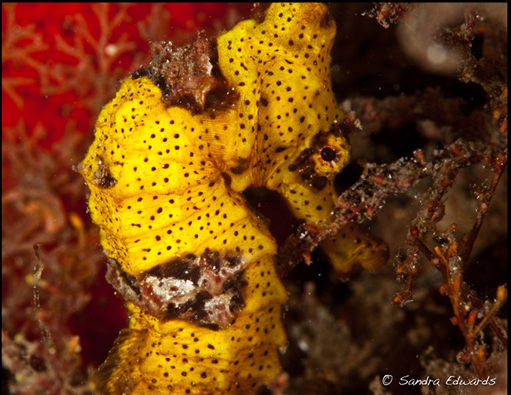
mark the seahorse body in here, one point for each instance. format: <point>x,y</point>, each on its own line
<point>194,263</point>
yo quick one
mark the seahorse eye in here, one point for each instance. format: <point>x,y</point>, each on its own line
<point>328,154</point>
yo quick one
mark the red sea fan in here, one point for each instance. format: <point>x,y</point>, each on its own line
<point>60,63</point>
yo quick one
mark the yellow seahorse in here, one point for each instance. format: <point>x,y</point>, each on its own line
<point>172,153</point>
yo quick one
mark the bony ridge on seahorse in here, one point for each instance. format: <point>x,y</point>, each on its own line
<point>172,153</point>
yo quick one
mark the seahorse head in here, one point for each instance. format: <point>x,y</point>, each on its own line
<point>289,134</point>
